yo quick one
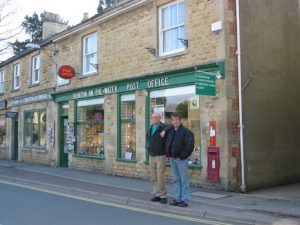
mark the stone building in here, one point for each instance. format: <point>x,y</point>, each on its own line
<point>143,56</point>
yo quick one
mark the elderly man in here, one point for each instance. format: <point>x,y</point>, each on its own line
<point>156,140</point>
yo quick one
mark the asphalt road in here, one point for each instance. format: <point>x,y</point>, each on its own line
<point>20,205</point>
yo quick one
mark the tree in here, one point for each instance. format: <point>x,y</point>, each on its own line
<point>7,31</point>
<point>32,26</point>
<point>105,5</point>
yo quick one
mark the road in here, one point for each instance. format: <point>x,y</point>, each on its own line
<point>22,205</point>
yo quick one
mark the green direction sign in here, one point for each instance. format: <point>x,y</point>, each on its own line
<point>205,84</point>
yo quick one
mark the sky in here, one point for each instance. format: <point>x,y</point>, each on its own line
<point>69,10</point>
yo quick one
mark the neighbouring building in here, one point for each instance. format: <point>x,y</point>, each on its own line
<point>229,69</point>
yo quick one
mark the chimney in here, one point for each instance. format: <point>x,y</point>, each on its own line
<point>85,16</point>
<point>52,24</point>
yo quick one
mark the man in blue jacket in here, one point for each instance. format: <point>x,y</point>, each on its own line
<point>156,144</point>
<point>180,145</point>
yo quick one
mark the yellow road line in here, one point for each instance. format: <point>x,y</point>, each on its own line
<point>116,205</point>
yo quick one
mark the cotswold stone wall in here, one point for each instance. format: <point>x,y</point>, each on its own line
<point>121,54</point>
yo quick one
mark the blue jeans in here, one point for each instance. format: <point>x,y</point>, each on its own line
<point>181,182</point>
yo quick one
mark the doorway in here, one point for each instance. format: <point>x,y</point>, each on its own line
<point>15,140</point>
<point>63,132</point>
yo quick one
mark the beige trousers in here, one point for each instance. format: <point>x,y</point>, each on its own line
<point>157,172</point>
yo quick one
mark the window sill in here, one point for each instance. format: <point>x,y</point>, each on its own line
<point>33,85</point>
<point>127,160</point>
<point>15,90</point>
<point>36,149</point>
<point>184,52</point>
<point>89,156</point>
<point>82,76</point>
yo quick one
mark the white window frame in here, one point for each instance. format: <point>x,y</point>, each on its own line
<point>174,27</point>
<point>35,69</point>
<point>89,61</point>
<point>2,84</point>
<point>16,76</point>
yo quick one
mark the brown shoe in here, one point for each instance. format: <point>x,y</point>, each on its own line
<point>182,204</point>
<point>174,203</point>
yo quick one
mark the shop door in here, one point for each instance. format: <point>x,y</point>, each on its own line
<point>15,140</point>
<point>63,143</point>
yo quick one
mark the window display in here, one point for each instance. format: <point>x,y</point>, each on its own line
<point>128,140</point>
<point>90,127</point>
<point>35,128</point>
<point>184,101</point>
<point>2,132</point>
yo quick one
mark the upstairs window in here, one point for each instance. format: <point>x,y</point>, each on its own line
<point>35,70</point>
<point>171,27</point>
<point>2,87</point>
<point>90,64</point>
<point>16,76</point>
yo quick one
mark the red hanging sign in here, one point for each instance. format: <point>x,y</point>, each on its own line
<point>66,72</point>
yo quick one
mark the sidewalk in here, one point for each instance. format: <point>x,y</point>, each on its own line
<point>280,205</point>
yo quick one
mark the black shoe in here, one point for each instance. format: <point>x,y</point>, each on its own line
<point>163,200</point>
<point>182,204</point>
<point>155,199</point>
<point>174,203</point>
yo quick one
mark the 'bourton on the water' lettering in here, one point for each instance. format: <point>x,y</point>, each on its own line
<point>132,86</point>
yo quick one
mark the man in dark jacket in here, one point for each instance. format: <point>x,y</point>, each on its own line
<point>156,140</point>
<point>180,143</point>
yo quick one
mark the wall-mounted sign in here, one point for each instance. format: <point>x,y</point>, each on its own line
<point>66,72</point>
<point>11,114</point>
<point>205,84</point>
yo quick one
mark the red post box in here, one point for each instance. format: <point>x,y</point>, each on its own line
<point>213,164</point>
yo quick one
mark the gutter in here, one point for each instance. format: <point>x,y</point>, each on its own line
<point>241,125</point>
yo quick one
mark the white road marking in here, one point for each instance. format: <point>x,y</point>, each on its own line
<point>116,205</point>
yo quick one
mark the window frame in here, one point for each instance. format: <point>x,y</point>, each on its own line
<point>168,90</point>
<point>16,76</point>
<point>93,67</point>
<point>35,68</point>
<point>181,47</point>
<point>29,114</point>
<point>119,134</point>
<point>88,101</point>
<point>2,82</point>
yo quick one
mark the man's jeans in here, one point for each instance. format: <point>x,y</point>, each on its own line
<point>181,182</point>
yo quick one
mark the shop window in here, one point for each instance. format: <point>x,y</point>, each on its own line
<point>90,64</point>
<point>171,27</point>
<point>127,149</point>
<point>35,128</point>
<point>184,101</point>
<point>35,70</point>
<point>90,127</point>
<point>2,132</point>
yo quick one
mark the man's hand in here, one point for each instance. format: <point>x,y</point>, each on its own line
<point>163,133</point>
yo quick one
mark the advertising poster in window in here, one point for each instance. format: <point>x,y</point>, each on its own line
<point>161,110</point>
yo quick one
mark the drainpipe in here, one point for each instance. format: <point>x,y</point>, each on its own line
<point>241,126</point>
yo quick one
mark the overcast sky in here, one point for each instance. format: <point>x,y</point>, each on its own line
<point>69,10</point>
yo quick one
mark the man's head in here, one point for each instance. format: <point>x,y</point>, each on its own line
<point>175,117</point>
<point>155,117</point>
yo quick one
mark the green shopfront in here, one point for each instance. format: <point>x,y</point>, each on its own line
<point>103,127</point>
